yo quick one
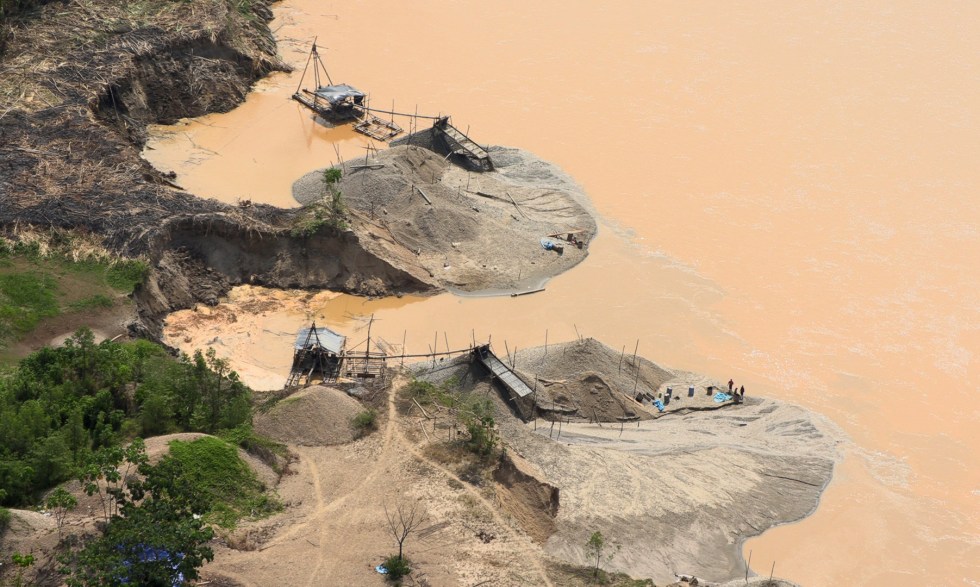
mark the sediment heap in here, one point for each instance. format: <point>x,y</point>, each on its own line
<point>467,231</point>
<point>680,491</point>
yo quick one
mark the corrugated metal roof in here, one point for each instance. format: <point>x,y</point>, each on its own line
<point>339,93</point>
<point>328,339</point>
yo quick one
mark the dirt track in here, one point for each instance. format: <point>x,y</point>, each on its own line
<point>333,534</point>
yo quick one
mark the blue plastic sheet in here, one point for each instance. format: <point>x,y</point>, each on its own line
<point>721,398</point>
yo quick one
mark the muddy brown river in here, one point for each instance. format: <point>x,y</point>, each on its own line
<point>787,196</point>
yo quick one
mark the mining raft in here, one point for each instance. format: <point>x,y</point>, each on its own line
<point>341,103</point>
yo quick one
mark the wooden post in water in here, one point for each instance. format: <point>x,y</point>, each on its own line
<point>446,336</point>
<point>771,571</point>
<point>577,335</point>
<point>507,348</point>
<point>747,565</point>
<point>636,348</point>
<point>404,352</point>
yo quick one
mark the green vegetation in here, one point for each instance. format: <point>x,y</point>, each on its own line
<point>26,299</point>
<point>332,175</point>
<point>473,411</point>
<point>60,406</point>
<point>404,520</point>
<point>272,453</point>
<point>599,548</point>
<point>124,275</point>
<point>397,567</point>
<point>228,489</point>
<point>96,301</point>
<point>329,212</point>
<point>41,279</point>
<point>60,502</point>
<point>365,422</point>
<point>157,534</point>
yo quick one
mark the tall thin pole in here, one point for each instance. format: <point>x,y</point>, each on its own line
<point>747,565</point>
<point>404,350</point>
<point>771,571</point>
<point>621,355</point>
<point>636,348</point>
<point>446,336</point>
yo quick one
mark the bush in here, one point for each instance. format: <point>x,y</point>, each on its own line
<point>4,519</point>
<point>365,422</point>
<point>332,175</point>
<point>397,567</point>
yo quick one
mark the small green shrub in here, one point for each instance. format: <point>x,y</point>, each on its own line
<point>397,566</point>
<point>365,422</point>
<point>332,175</point>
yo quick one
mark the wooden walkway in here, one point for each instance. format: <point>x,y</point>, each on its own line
<point>502,372</point>
<point>460,144</point>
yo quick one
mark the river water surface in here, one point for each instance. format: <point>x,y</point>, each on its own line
<point>788,197</point>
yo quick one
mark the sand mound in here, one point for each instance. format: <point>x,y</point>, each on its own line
<point>477,231</point>
<point>314,416</point>
<point>586,380</point>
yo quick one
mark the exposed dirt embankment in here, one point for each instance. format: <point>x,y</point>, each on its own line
<point>73,115</point>
<point>202,257</point>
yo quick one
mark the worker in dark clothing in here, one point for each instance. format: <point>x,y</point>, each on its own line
<point>730,384</point>
<point>741,391</point>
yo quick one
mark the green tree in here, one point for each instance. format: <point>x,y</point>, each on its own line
<point>108,474</point>
<point>156,539</point>
<point>593,548</point>
<point>60,502</point>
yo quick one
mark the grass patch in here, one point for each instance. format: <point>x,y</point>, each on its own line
<point>40,280</point>
<point>26,299</point>
<point>231,490</point>
<point>91,302</point>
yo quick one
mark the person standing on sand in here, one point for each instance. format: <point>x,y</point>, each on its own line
<point>741,391</point>
<point>730,384</point>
